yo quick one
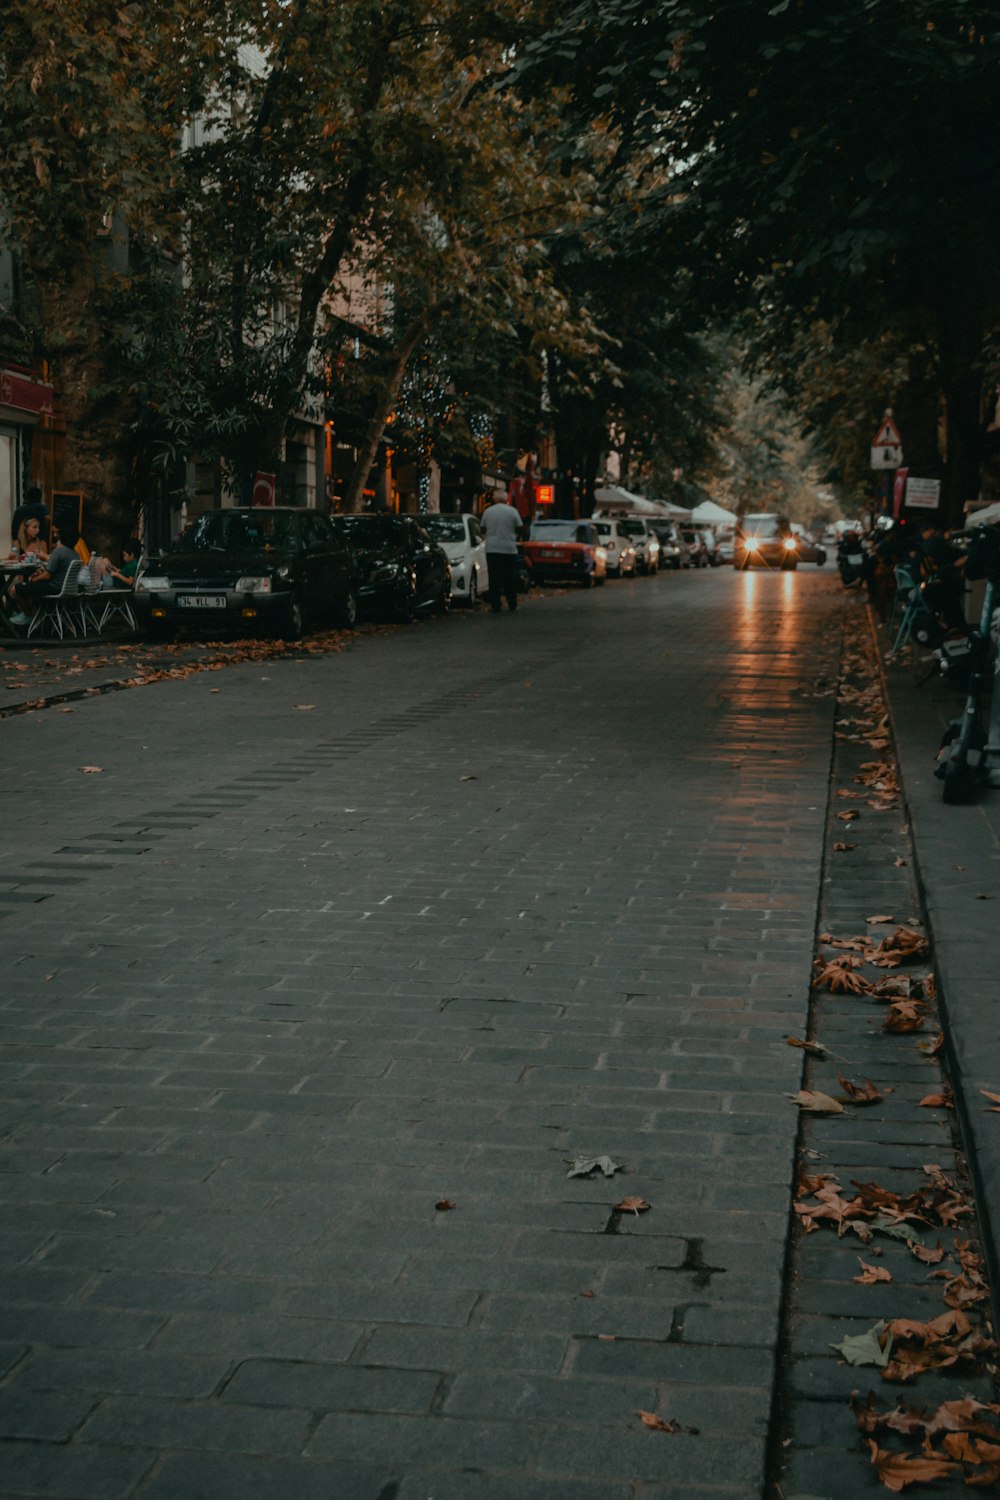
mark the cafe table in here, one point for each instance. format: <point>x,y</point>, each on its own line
<point>8,571</point>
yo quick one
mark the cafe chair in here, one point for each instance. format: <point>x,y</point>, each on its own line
<point>64,612</point>
<point>115,604</point>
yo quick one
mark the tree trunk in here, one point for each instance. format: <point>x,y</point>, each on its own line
<point>405,349</point>
<point>98,426</point>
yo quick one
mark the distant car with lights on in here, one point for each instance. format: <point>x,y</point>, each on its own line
<point>765,540</point>
<point>617,545</point>
<point>565,552</point>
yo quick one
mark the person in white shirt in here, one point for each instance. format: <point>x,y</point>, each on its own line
<point>501,529</point>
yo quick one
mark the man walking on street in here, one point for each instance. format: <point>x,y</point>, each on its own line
<point>501,529</point>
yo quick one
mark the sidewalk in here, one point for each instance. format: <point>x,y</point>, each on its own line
<point>958,859</point>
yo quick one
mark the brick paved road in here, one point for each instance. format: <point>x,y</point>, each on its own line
<point>280,978</point>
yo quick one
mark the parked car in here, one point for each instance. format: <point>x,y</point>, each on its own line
<point>674,551</point>
<point>806,548</point>
<point>568,551</point>
<point>400,569</point>
<point>277,569</point>
<point>767,538</point>
<point>645,541</point>
<point>727,549</point>
<point>461,536</point>
<point>617,544</point>
<point>696,545</point>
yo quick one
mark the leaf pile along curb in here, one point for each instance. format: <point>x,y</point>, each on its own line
<point>888,966</point>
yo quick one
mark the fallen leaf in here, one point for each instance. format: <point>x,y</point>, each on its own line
<point>586,1294</point>
<point>849,816</point>
<point>658,1424</point>
<point>871,1274</point>
<point>866,1348</point>
<point>875,921</point>
<point>814,1102</point>
<point>582,1166</point>
<point>858,1093</point>
<point>468,778</point>
<point>816,1048</point>
<point>444,1204</point>
<point>933,1047</point>
<point>897,1470</point>
<point>842,848</point>
<point>924,1253</point>
<point>996,1101</point>
<point>900,861</point>
<point>302,707</point>
<point>944,1099</point>
<point>631,1206</point>
<point>90,770</point>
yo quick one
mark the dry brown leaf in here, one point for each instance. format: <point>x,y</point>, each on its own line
<point>903,1016</point>
<point>814,1102</point>
<point>631,1206</point>
<point>876,921</point>
<point>858,1093</point>
<point>443,1205</point>
<point>871,1274</point>
<point>944,1099</point>
<point>838,977</point>
<point>899,861</point>
<point>995,1110</point>
<point>815,1048</point>
<point>849,816</point>
<point>587,1294</point>
<point>933,1047</point>
<point>90,770</point>
<point>924,1253</point>
<point>842,848</point>
<point>897,1470</point>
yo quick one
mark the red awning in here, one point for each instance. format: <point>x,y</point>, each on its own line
<point>23,394</point>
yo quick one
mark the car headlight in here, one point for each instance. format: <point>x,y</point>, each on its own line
<point>752,543</point>
<point>789,544</point>
<point>253,584</point>
<point>151,583</point>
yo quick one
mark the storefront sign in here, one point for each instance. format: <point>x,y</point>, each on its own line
<point>923,494</point>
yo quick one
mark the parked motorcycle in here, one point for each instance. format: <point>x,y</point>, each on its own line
<point>851,559</point>
<point>970,749</point>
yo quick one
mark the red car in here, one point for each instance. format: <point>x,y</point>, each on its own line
<point>565,552</point>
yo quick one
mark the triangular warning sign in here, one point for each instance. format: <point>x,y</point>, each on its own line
<point>888,435</point>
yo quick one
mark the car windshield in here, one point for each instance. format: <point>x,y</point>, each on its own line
<point>371,531</point>
<point>238,531</point>
<point>559,531</point>
<point>444,528</point>
<point>634,528</point>
<point>760,526</point>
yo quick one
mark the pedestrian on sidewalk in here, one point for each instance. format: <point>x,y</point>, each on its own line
<point>501,529</point>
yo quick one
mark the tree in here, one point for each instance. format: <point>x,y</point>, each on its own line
<point>840,160</point>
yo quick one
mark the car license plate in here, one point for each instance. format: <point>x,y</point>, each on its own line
<point>201,601</point>
<point>551,555</point>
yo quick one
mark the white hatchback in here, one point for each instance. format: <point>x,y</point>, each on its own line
<point>617,544</point>
<point>461,537</point>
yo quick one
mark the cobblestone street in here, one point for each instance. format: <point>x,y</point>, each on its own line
<point>315,990</point>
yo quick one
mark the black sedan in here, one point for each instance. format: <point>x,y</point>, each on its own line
<point>276,568</point>
<point>400,569</point>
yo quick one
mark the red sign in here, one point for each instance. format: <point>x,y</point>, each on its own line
<point>32,396</point>
<point>546,494</point>
<point>263,488</point>
<point>899,492</point>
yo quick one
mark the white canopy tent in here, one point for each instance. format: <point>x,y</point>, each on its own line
<point>989,515</point>
<point>611,499</point>
<point>713,515</point>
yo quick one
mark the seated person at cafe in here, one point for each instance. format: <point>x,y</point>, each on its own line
<point>124,577</point>
<point>28,542</point>
<point>47,579</point>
